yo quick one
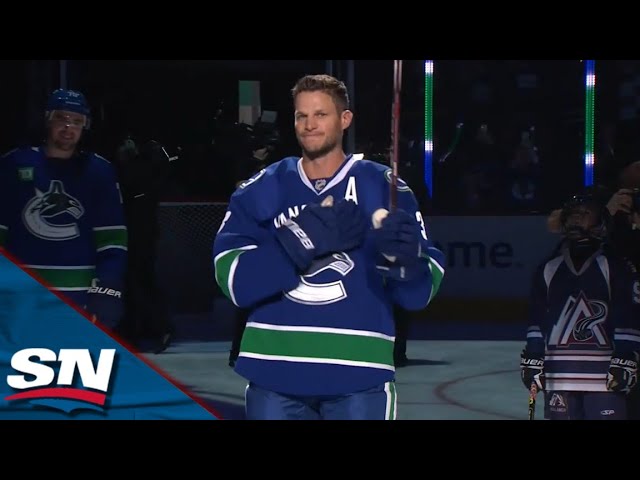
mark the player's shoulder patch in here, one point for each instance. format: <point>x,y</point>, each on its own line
<point>267,175</point>
<point>402,185</point>
<point>383,170</point>
<point>252,180</point>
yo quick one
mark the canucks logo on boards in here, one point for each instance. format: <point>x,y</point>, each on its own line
<point>581,322</point>
<point>50,215</point>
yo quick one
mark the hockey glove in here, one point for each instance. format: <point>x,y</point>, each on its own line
<point>320,230</point>
<point>532,370</point>
<point>401,273</point>
<point>105,305</point>
<point>397,238</point>
<point>623,372</point>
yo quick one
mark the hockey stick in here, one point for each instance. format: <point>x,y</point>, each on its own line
<point>533,391</point>
<point>395,133</point>
<point>381,213</point>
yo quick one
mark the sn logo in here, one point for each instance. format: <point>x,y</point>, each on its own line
<point>38,380</point>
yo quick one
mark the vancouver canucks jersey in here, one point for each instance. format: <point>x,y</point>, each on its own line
<point>329,330</point>
<point>579,317</point>
<point>62,219</point>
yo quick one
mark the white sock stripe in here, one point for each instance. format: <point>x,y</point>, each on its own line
<point>391,407</point>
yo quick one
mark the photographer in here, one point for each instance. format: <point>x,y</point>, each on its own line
<point>143,173</point>
<point>624,210</point>
<point>582,336</point>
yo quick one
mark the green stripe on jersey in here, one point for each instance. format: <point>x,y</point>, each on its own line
<point>225,265</point>
<point>65,278</point>
<point>110,236</point>
<point>319,345</point>
<point>437,272</point>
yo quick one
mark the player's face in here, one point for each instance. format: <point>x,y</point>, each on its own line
<point>65,129</point>
<point>318,123</point>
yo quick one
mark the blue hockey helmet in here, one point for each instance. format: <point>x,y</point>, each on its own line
<point>70,101</point>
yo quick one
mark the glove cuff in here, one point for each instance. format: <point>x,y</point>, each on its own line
<point>106,304</point>
<point>295,241</point>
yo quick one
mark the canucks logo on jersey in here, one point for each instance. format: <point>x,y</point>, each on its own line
<point>50,215</point>
<point>316,292</point>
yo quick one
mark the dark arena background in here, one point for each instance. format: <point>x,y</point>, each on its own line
<point>490,148</point>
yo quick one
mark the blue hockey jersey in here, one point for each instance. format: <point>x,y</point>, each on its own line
<point>579,317</point>
<point>329,331</point>
<point>62,219</point>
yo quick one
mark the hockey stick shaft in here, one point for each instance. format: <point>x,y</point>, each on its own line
<point>395,133</point>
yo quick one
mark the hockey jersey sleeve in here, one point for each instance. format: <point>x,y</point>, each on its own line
<point>109,230</point>
<point>418,293</point>
<point>537,308</point>
<point>250,265</point>
<point>625,306</point>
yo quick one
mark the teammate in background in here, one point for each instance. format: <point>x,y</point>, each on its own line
<point>584,327</point>
<point>61,212</point>
<point>297,246</point>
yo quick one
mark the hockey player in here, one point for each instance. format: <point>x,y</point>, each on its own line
<point>297,246</point>
<point>61,212</point>
<point>583,334</point>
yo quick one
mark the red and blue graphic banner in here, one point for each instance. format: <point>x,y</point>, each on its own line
<point>56,364</point>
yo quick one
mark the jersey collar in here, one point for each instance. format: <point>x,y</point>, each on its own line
<point>337,177</point>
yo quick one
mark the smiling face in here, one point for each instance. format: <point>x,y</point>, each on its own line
<point>319,123</point>
<point>321,104</point>
<point>65,130</point>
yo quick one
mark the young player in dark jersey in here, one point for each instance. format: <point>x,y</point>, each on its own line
<point>584,327</point>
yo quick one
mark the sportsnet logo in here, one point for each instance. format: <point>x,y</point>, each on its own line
<point>38,383</point>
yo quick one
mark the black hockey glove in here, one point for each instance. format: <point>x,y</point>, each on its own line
<point>623,372</point>
<point>105,305</point>
<point>320,230</point>
<point>532,370</point>
<point>397,238</point>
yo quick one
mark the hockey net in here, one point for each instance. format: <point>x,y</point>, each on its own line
<point>185,253</point>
